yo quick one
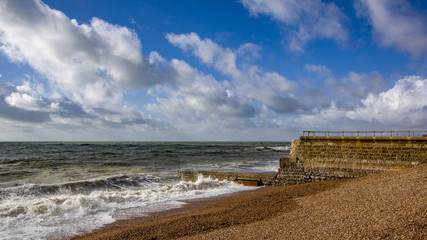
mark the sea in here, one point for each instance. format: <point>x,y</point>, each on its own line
<point>56,190</point>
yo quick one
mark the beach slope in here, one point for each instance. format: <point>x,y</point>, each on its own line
<point>384,206</point>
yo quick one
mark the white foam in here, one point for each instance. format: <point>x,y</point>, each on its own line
<point>274,148</point>
<point>67,214</point>
<point>267,166</point>
<point>281,148</point>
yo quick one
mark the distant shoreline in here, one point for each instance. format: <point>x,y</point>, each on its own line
<point>389,205</point>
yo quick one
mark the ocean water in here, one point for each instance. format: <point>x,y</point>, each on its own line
<point>51,190</point>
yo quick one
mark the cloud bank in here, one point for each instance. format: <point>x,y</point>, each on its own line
<point>85,71</point>
<point>404,106</point>
<point>86,62</point>
<point>275,91</point>
<point>89,66</point>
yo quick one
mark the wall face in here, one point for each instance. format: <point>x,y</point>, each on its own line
<point>250,178</point>
<point>318,158</point>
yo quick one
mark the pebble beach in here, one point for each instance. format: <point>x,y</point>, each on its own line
<point>384,206</point>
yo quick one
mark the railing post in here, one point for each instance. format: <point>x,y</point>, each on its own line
<point>367,133</point>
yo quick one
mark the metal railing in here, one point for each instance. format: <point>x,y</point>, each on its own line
<point>365,133</point>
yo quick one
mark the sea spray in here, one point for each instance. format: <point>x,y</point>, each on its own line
<point>72,211</point>
<point>50,189</point>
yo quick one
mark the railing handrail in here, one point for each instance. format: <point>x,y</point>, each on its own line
<point>365,133</point>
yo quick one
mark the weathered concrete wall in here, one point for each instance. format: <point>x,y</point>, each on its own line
<point>316,158</point>
<point>246,177</point>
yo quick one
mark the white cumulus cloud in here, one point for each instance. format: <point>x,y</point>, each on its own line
<point>223,59</point>
<point>274,90</point>
<point>404,105</point>
<point>304,20</point>
<point>27,102</point>
<point>93,68</point>
<point>198,100</point>
<point>89,68</point>
<point>395,23</point>
<point>92,64</point>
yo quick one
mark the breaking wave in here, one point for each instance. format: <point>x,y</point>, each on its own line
<point>74,207</point>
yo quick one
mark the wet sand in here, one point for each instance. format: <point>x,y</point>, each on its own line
<point>384,206</point>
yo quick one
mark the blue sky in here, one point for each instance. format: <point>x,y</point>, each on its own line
<point>252,70</point>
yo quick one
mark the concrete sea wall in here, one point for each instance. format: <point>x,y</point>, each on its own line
<point>315,158</point>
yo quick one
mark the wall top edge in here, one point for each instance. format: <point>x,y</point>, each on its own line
<point>361,138</point>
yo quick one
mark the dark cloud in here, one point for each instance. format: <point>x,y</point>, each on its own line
<point>285,105</point>
<point>70,109</point>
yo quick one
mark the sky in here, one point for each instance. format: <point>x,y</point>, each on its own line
<point>199,70</point>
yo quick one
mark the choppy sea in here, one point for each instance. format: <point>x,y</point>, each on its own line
<point>62,189</point>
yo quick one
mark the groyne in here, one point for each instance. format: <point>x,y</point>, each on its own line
<point>325,155</point>
<point>246,177</point>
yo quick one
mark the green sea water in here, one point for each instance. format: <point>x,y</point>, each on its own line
<point>63,188</point>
